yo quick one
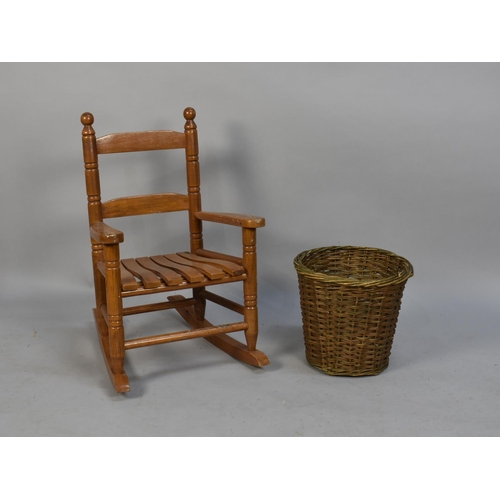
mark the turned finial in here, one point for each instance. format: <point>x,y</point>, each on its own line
<point>189,114</point>
<point>87,119</point>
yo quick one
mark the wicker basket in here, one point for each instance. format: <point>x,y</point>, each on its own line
<point>350,299</point>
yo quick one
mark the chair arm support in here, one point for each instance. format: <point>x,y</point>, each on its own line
<point>105,234</point>
<point>241,220</point>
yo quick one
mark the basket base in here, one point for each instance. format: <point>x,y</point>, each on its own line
<point>349,373</point>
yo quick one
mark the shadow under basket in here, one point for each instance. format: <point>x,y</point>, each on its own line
<point>350,299</point>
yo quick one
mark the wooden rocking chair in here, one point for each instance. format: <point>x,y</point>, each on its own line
<point>195,269</point>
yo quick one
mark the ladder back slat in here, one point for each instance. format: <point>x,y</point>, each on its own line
<point>129,142</point>
<point>145,204</point>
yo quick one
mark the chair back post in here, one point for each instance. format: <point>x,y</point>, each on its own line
<point>193,179</point>
<point>94,199</point>
<point>91,169</point>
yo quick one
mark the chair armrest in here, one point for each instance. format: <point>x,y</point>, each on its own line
<point>105,234</point>
<point>245,221</point>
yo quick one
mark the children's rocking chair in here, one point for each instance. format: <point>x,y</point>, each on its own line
<point>194,270</point>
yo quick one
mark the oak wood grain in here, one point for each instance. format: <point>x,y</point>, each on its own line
<point>105,234</point>
<point>241,220</point>
<point>129,142</point>
<point>145,204</point>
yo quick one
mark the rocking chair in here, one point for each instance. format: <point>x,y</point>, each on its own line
<point>195,270</point>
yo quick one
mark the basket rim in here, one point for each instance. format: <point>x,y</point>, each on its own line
<point>302,270</point>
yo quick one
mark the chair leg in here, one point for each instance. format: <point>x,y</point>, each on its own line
<point>251,318</point>
<point>99,281</point>
<point>120,381</point>
<point>250,287</point>
<point>115,351</point>
<point>200,304</point>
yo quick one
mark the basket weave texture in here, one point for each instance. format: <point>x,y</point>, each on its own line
<point>350,299</point>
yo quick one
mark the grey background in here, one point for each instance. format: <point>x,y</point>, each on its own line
<point>397,156</point>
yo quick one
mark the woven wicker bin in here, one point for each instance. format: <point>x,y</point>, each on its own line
<point>350,299</point>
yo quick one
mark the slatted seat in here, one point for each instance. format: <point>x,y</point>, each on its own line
<point>175,271</point>
<point>116,279</point>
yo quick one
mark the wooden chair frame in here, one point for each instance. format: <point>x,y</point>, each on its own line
<point>115,280</point>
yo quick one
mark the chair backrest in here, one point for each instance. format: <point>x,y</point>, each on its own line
<point>144,204</point>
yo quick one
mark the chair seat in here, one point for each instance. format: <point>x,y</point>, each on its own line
<point>176,271</point>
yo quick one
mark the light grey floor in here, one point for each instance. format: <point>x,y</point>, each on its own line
<point>54,383</point>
